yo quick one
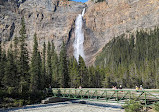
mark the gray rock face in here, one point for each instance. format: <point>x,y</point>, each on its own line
<point>106,21</point>
<point>54,20</point>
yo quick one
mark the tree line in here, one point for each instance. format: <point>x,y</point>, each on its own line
<point>132,62</point>
<point>21,72</point>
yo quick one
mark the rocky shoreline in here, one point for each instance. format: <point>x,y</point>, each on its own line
<point>69,106</point>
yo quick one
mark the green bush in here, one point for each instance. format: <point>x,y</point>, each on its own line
<point>10,90</point>
<point>133,106</point>
<point>156,107</point>
<point>18,103</point>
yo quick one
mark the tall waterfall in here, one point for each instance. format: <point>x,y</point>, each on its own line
<point>79,37</point>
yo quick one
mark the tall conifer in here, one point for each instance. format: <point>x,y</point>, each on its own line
<point>23,65</point>
<point>63,67</point>
<point>10,76</point>
<point>54,65</point>
<point>49,73</point>
<point>43,75</point>
<point>35,69</point>
<point>83,72</point>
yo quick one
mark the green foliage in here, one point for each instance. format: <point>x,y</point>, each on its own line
<point>1,75</point>
<point>132,61</point>
<point>83,72</point>
<point>35,69</point>
<point>23,62</point>
<point>133,106</point>
<point>49,71</point>
<point>156,107</point>
<point>18,103</point>
<point>63,67</point>
<point>73,73</point>
<point>10,74</point>
<point>54,67</point>
<point>44,65</point>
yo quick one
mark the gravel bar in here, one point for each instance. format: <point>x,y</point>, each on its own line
<point>69,106</point>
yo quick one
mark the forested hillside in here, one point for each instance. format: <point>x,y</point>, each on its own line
<point>133,61</point>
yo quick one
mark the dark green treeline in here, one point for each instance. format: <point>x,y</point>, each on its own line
<point>132,62</point>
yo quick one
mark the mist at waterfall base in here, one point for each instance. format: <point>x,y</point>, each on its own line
<point>79,37</point>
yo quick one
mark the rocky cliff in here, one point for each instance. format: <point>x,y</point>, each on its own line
<point>106,20</point>
<point>54,20</point>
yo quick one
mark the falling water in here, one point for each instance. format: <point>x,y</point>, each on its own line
<point>79,37</point>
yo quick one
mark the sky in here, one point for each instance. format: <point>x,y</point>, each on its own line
<point>80,0</point>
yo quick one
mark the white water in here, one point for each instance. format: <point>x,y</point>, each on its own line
<point>79,37</point>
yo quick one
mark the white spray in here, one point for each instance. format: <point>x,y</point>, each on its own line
<point>79,37</point>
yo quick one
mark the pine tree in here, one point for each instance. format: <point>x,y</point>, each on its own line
<point>23,64</point>
<point>41,84</point>
<point>16,41</point>
<point>10,76</point>
<point>54,65</point>
<point>73,73</point>
<point>49,72</point>
<point>91,77</point>
<point>83,72</point>
<point>16,57</point>
<point>44,65</point>
<point>35,69</point>
<point>63,68</point>
<point>3,62</point>
<point>1,69</point>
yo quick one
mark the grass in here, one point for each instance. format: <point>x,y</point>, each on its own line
<point>156,107</point>
<point>133,106</point>
<point>19,100</point>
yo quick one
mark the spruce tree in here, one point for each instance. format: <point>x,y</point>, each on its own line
<point>10,77</point>
<point>23,64</point>
<point>3,64</point>
<point>54,65</point>
<point>16,57</point>
<point>1,74</point>
<point>44,65</point>
<point>49,72</point>
<point>35,69</point>
<point>63,67</point>
<point>73,73</point>
<point>83,72</point>
<point>41,84</point>
<point>16,41</point>
<point>91,77</point>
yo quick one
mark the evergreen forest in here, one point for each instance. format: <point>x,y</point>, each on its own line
<point>131,61</point>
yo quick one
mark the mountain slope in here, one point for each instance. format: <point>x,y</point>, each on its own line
<point>106,21</point>
<point>54,20</point>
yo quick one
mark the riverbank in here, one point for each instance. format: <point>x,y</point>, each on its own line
<point>69,106</point>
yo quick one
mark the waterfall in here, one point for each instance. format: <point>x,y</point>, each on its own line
<point>79,37</point>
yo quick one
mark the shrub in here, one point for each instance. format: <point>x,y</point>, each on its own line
<point>11,90</point>
<point>133,106</point>
<point>18,103</point>
<point>156,107</point>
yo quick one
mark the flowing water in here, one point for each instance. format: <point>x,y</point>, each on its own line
<point>79,37</point>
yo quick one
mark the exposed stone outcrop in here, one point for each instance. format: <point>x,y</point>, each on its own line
<point>54,20</point>
<point>105,21</point>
